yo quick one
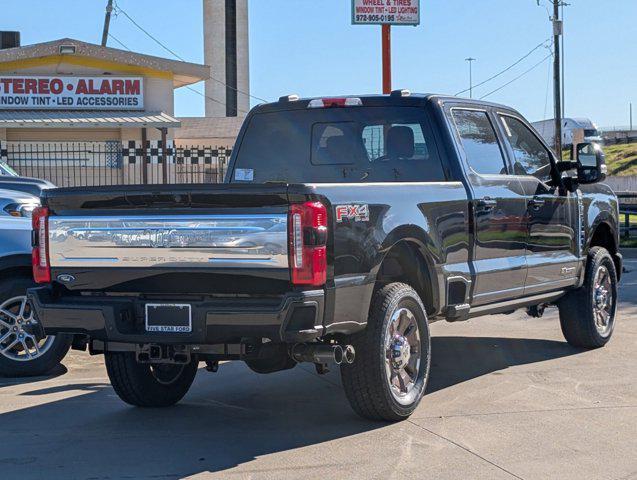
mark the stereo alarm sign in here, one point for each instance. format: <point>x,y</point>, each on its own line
<point>71,93</point>
<point>386,12</point>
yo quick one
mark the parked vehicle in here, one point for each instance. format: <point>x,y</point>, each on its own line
<point>22,353</point>
<point>9,179</point>
<point>572,129</point>
<point>380,214</point>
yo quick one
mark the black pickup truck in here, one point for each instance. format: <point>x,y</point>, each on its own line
<point>344,227</point>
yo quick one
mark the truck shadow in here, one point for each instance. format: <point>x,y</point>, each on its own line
<point>459,359</point>
<point>228,418</point>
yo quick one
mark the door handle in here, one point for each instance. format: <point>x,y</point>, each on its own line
<point>536,203</point>
<point>486,204</point>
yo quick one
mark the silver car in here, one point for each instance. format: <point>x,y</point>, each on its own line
<point>22,352</point>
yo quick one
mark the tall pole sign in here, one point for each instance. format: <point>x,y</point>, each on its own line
<point>386,13</point>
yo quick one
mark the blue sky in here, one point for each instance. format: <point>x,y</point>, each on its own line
<point>309,47</point>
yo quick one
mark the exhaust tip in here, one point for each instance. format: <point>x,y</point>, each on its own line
<point>349,354</point>
<point>338,354</point>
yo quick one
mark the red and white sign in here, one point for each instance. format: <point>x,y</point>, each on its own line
<point>390,12</point>
<point>71,93</point>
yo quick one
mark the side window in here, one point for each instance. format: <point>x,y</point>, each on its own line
<point>530,155</point>
<point>479,141</point>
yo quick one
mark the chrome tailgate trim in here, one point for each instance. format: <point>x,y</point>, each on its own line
<point>198,241</point>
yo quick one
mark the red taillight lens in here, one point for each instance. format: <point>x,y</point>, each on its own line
<point>335,102</point>
<point>40,254</point>
<point>307,227</point>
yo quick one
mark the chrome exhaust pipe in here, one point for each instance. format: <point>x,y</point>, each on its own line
<point>349,354</point>
<point>316,353</point>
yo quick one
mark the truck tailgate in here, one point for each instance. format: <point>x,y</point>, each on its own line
<point>169,239</point>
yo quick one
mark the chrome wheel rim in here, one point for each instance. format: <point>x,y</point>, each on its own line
<point>17,340</point>
<point>402,355</point>
<point>603,301</point>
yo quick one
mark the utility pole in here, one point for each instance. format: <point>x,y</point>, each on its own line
<point>557,89</point>
<point>470,60</point>
<point>631,116</point>
<point>107,22</point>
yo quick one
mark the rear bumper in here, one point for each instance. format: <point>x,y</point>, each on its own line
<point>294,317</point>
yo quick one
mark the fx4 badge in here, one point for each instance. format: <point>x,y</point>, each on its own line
<point>356,213</point>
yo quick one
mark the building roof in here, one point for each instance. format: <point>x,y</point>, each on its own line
<point>209,127</point>
<point>183,73</point>
<point>66,119</point>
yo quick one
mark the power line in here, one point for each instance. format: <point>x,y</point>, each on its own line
<point>517,62</point>
<point>120,43</point>
<point>173,53</point>
<point>519,76</point>
<point>187,86</point>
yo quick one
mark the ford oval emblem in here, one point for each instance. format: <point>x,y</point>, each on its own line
<point>66,278</point>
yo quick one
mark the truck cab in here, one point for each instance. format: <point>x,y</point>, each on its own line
<point>343,228</point>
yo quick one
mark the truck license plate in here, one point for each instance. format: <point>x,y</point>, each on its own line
<point>168,317</point>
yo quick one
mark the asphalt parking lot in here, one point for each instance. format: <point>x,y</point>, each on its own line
<point>508,398</point>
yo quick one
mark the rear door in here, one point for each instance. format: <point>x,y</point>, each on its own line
<point>553,242</point>
<point>498,207</point>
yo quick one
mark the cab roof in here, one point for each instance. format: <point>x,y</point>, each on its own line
<point>396,98</point>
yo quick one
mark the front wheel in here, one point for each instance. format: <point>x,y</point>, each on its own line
<point>587,315</point>
<point>148,385</point>
<point>389,376</point>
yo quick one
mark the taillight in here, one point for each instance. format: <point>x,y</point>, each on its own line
<point>307,228</point>
<point>40,254</point>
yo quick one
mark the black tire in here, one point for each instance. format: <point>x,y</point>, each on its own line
<point>16,286</point>
<point>577,310</point>
<point>142,385</point>
<point>366,380</point>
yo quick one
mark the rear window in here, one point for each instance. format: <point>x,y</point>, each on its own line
<point>348,145</point>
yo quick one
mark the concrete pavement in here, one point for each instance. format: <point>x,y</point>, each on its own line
<point>508,398</point>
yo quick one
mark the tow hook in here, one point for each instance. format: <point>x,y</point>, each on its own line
<point>321,354</point>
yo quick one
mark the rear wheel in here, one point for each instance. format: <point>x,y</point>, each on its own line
<point>148,385</point>
<point>389,375</point>
<point>22,351</point>
<point>587,315</point>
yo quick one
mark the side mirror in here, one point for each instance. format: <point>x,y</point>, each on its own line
<point>591,163</point>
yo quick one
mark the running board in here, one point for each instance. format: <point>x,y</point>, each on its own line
<point>464,313</point>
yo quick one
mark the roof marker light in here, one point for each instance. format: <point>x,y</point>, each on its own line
<point>289,98</point>
<point>401,93</point>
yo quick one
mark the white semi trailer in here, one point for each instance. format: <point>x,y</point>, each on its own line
<point>573,129</point>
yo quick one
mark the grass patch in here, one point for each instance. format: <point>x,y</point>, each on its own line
<point>621,159</point>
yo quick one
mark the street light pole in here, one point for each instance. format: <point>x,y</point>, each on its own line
<point>470,60</point>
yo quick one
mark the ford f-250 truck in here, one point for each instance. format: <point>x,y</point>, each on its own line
<point>345,226</point>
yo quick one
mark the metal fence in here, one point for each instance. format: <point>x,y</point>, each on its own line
<point>628,215</point>
<point>113,163</point>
